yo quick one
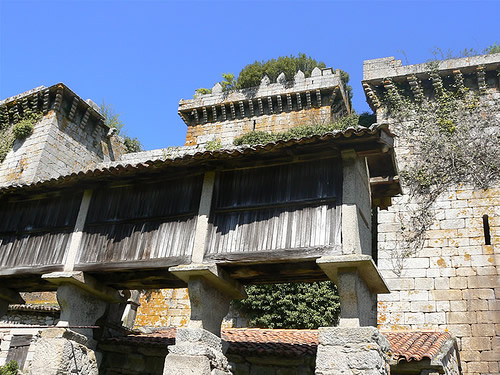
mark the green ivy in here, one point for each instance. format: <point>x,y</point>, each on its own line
<point>214,144</point>
<point>291,305</point>
<point>19,130</point>
<point>260,137</point>
<point>9,369</point>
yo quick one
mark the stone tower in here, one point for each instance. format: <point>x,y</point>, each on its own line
<point>451,281</point>
<point>69,136</point>
<point>270,107</point>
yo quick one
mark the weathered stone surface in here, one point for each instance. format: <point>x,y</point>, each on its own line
<point>455,271</point>
<point>196,343</point>
<point>186,365</point>
<point>360,350</point>
<point>56,355</point>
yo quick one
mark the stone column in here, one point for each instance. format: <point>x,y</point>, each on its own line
<point>356,346</point>
<point>70,347</point>
<point>361,351</point>
<point>198,349</point>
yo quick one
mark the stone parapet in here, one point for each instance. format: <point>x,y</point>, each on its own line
<point>387,67</point>
<point>222,116</point>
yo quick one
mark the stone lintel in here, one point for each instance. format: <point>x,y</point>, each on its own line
<point>364,264</point>
<point>214,275</point>
<point>87,283</point>
<point>10,296</point>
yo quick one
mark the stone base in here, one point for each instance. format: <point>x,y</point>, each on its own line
<point>61,351</point>
<point>196,352</point>
<point>360,351</point>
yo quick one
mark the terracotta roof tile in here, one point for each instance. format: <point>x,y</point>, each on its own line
<point>193,156</point>
<point>406,346</point>
<point>416,345</point>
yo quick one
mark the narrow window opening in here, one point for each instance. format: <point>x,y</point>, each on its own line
<point>486,228</point>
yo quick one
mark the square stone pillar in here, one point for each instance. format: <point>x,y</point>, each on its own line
<point>70,348</point>
<point>198,348</point>
<point>360,351</point>
<point>358,283</point>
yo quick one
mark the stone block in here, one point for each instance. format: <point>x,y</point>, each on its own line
<point>461,317</point>
<point>458,282</point>
<point>446,295</point>
<point>476,343</point>
<point>459,330</point>
<point>483,330</point>
<point>456,306</point>
<point>435,318</point>
<point>424,283</point>
<point>186,365</point>
<point>442,283</point>
<point>486,294</point>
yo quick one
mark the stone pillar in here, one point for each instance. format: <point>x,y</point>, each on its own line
<point>70,347</point>
<point>358,305</point>
<point>358,282</point>
<point>356,346</point>
<point>198,349</point>
<point>361,351</point>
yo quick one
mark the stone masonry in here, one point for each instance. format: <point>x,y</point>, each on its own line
<point>270,107</point>
<point>453,282</point>
<point>70,136</point>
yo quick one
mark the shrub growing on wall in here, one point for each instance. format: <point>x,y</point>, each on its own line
<point>9,369</point>
<point>291,305</point>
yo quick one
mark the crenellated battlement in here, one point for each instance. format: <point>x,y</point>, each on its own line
<point>479,73</point>
<point>69,135</point>
<point>270,106</point>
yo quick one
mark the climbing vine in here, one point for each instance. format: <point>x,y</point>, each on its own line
<point>20,129</point>
<point>452,139</point>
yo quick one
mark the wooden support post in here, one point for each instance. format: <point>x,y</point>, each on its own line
<point>200,233</point>
<point>76,236</point>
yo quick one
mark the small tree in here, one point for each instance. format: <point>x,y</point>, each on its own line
<point>112,119</point>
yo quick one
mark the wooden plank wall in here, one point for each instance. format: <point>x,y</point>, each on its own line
<point>141,222</point>
<point>287,206</point>
<point>35,232</point>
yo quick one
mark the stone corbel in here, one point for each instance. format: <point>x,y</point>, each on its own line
<point>210,293</point>
<point>358,282</point>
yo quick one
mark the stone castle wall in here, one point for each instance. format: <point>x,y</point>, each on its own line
<point>69,137</point>
<point>453,282</point>
<point>271,107</point>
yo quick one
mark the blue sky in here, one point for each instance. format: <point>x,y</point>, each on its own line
<point>144,56</point>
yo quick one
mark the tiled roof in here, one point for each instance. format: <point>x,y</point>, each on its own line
<point>284,342</point>
<point>405,345</point>
<point>34,307</point>
<point>415,346</point>
<point>192,156</point>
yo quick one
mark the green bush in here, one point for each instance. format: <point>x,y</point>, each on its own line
<point>291,305</point>
<point>260,137</point>
<point>25,126</point>
<point>132,144</point>
<point>9,369</point>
